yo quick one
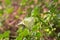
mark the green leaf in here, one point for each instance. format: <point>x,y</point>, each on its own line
<point>1,12</point>
<point>1,36</point>
<point>36,27</point>
<point>16,16</point>
<point>38,34</point>
<point>35,11</point>
<point>7,2</point>
<point>41,20</point>
<point>9,10</point>
<point>22,34</point>
<point>25,32</point>
<point>23,2</point>
<point>52,10</point>
<point>31,2</point>
<point>6,34</point>
<point>19,38</point>
<point>55,0</point>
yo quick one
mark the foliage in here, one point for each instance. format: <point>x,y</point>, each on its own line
<point>42,20</point>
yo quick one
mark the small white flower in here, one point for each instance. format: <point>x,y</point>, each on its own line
<point>28,22</point>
